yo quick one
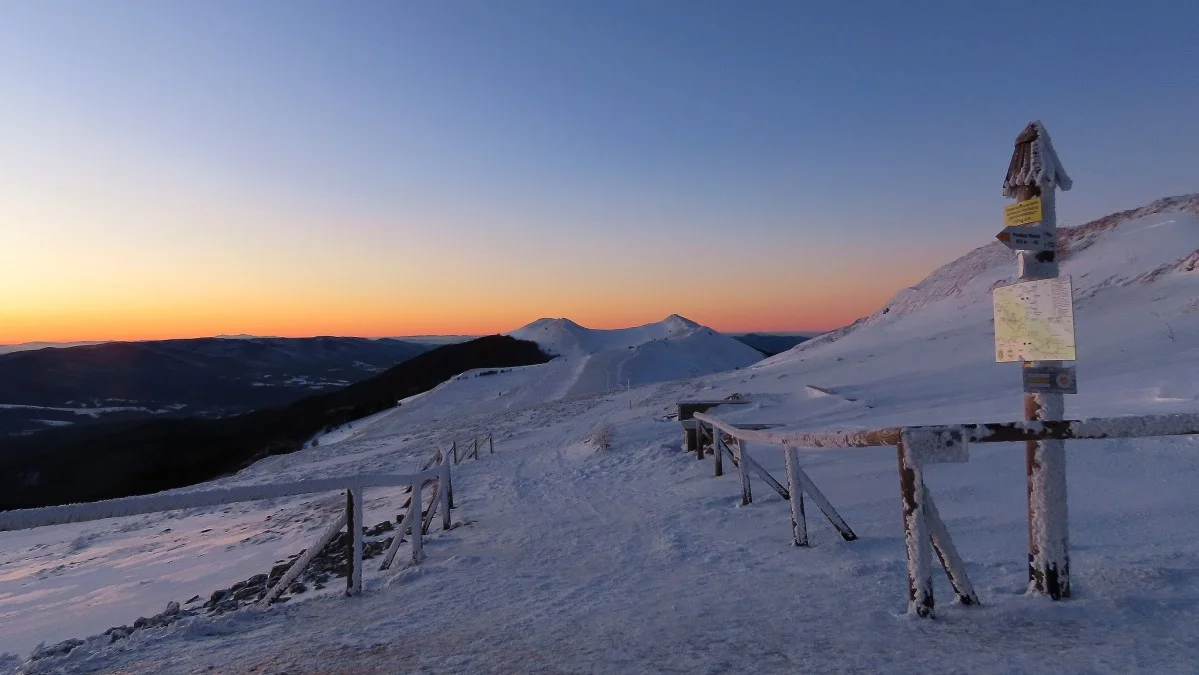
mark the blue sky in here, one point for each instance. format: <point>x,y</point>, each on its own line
<point>829,153</point>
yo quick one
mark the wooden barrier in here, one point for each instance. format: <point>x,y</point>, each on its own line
<point>924,531</point>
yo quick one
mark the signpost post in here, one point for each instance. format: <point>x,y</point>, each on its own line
<point>1034,174</point>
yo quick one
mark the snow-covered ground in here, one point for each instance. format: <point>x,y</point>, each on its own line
<point>639,560</point>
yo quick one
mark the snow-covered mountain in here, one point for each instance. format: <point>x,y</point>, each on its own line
<point>572,560</point>
<point>601,360</point>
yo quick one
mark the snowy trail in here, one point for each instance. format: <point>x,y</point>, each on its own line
<point>640,561</point>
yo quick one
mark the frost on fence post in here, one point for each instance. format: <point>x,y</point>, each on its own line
<point>915,534</point>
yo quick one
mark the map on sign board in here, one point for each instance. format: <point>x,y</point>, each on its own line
<point>1034,321</point>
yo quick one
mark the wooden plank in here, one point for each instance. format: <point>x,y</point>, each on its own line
<point>445,494</point>
<point>799,523</point>
<point>436,499</point>
<point>414,509</point>
<point>304,560</point>
<point>948,554</point>
<point>132,506</point>
<point>824,504</point>
<point>719,455</point>
<point>746,493</point>
<point>449,484</point>
<point>765,475</point>
<point>355,531</point>
<point>915,535</point>
<point>351,525</point>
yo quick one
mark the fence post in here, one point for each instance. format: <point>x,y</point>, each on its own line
<point>746,495</point>
<point>416,518</point>
<point>454,448</point>
<point>719,455</point>
<point>799,523</point>
<point>447,500</point>
<point>490,444</point>
<point>449,484</point>
<point>915,534</point>
<point>354,530</point>
<point>476,450</point>
<point>699,439</point>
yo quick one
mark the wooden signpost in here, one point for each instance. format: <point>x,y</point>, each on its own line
<point>1034,174</point>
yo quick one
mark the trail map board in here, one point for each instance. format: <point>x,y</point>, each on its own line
<point>1034,321</point>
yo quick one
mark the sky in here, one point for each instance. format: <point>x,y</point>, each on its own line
<point>189,168</point>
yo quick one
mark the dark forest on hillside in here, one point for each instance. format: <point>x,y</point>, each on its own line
<point>115,460</point>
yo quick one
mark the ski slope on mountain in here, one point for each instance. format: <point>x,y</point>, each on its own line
<point>639,560</point>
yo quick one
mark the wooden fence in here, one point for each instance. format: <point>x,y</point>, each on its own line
<point>435,472</point>
<point>917,447</point>
<point>473,451</point>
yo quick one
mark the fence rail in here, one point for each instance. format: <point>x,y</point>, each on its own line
<point>917,446</point>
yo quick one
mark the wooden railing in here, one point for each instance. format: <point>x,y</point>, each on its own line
<point>436,471</point>
<point>917,447</point>
<point>473,451</point>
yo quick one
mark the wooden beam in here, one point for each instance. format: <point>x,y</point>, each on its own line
<point>948,554</point>
<point>747,496</point>
<point>799,523</point>
<point>331,532</point>
<point>915,535</point>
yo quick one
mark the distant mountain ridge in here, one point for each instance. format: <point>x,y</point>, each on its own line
<point>208,376</point>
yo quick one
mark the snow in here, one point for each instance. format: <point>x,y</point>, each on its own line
<point>637,559</point>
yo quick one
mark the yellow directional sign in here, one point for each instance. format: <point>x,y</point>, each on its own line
<point>1023,213</point>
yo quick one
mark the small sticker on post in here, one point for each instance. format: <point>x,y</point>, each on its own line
<point>1049,380</point>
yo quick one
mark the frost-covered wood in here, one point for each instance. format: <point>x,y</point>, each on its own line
<point>937,445</point>
<point>304,560</point>
<point>948,554</point>
<point>447,502</point>
<point>718,463</point>
<point>403,528</point>
<point>132,506</point>
<point>799,523</point>
<point>354,529</point>
<point>753,465</point>
<point>994,432</point>
<point>434,501</point>
<point>746,495</point>
<point>1034,162</point>
<point>826,507</point>
<point>414,511</point>
<point>915,535</point>
<point>449,480</point>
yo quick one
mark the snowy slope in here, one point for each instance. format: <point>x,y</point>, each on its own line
<point>638,560</point>
<point>602,360</point>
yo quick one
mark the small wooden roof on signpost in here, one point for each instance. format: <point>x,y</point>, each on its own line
<point>1034,162</point>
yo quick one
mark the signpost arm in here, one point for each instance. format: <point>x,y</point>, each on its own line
<point>1035,171</point>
